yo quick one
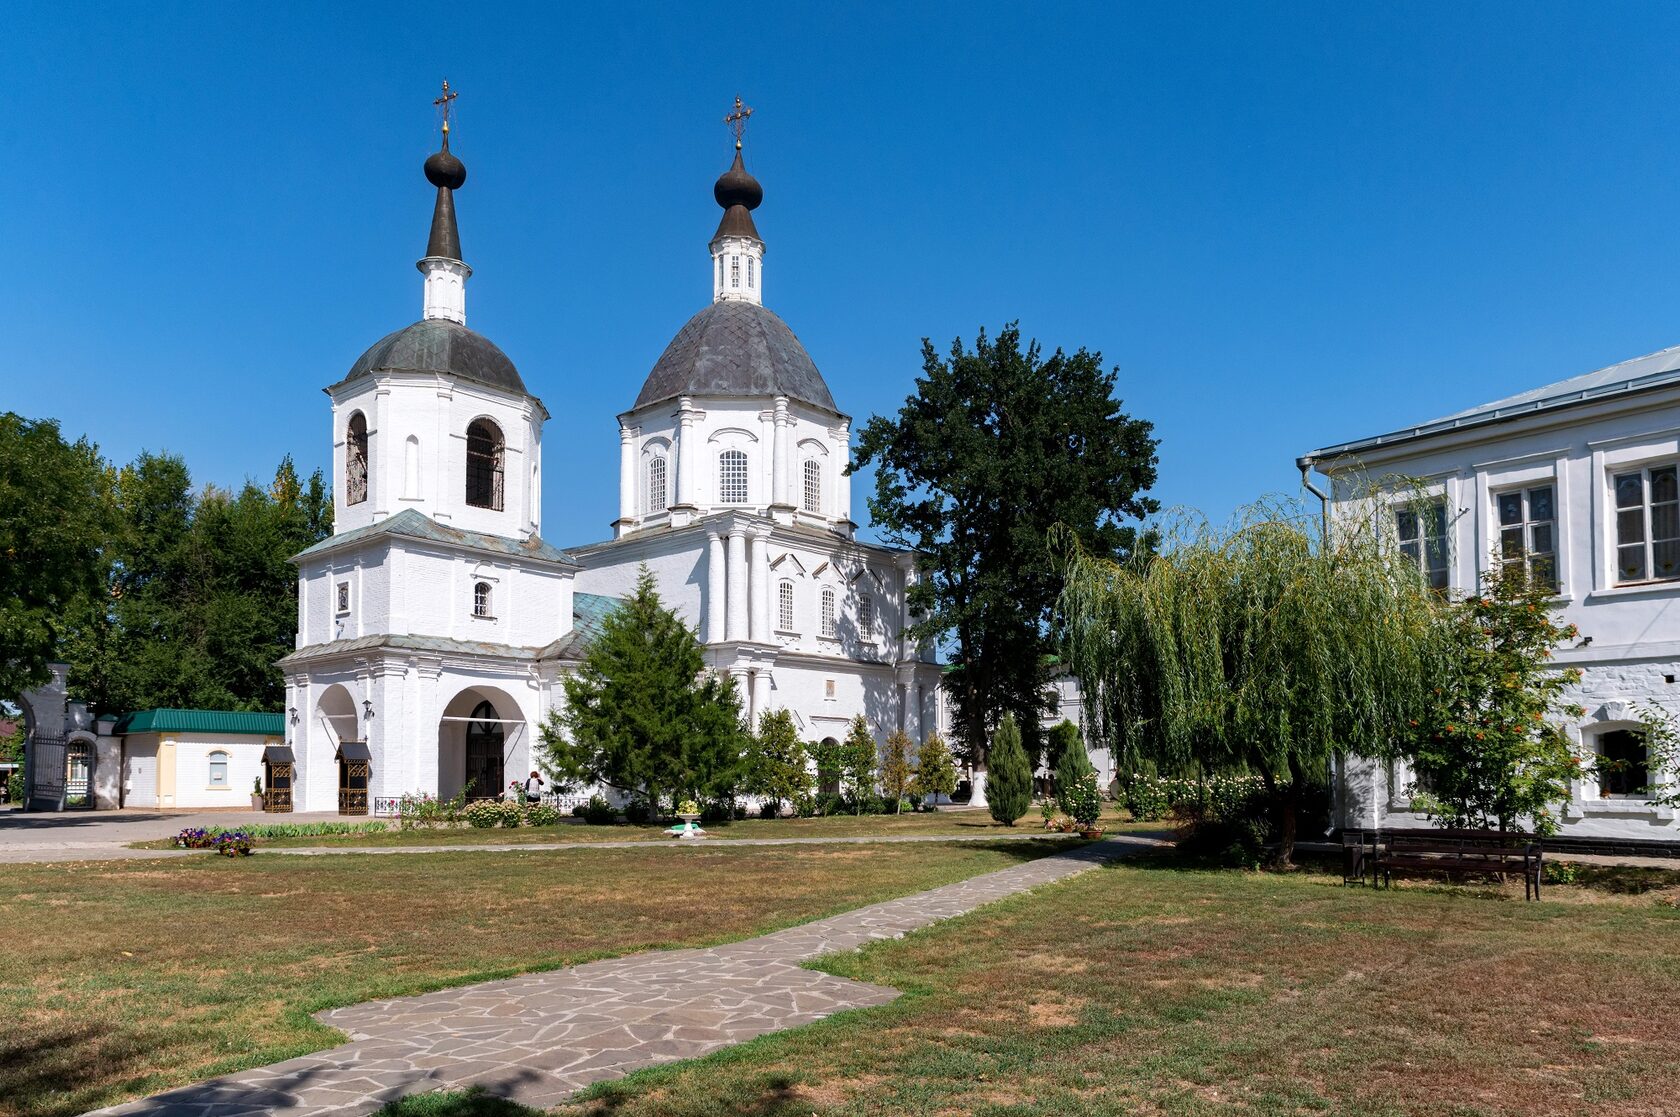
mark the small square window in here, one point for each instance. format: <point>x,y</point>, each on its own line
<point>828,689</point>
<point>343,597</point>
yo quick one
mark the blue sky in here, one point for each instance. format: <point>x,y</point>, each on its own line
<point>1288,224</point>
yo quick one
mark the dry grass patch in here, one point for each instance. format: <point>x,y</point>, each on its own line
<point>1209,992</point>
<point>127,978</point>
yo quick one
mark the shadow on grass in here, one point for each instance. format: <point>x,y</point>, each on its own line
<point>774,1095</point>
<point>475,1102</point>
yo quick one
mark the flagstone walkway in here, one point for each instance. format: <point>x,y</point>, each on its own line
<point>541,1037</point>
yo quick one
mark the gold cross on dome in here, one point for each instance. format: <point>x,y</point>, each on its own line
<point>737,121</point>
<point>446,103</point>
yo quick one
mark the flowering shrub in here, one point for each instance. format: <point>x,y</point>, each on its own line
<point>482,814</point>
<point>542,814</point>
<point>688,806</point>
<point>1084,801</point>
<point>425,811</point>
<point>195,837</point>
<point>513,813</point>
<point>1154,797</point>
<point>234,843</point>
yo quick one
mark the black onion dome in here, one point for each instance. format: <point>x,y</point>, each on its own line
<point>443,169</point>
<point>736,348</point>
<point>438,345</point>
<point>735,187</point>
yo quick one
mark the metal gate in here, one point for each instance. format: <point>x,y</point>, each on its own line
<point>57,774</point>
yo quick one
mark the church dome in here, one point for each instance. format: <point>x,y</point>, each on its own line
<point>439,345</point>
<point>736,348</point>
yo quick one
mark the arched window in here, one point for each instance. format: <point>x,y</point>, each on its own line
<point>749,271</point>
<point>720,269</point>
<point>484,465</point>
<point>218,769</point>
<point>356,460</point>
<point>656,501</point>
<point>411,468</point>
<point>481,600</point>
<point>813,485</point>
<point>866,610</point>
<point>732,477</point>
<point>828,613</point>
<point>784,615</point>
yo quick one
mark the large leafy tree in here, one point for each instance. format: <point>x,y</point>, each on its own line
<point>197,596</point>
<point>1487,752</point>
<point>643,714</point>
<point>1256,649</point>
<point>776,765</point>
<point>55,517</point>
<point>999,444</point>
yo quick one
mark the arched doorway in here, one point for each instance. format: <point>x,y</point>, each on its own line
<point>828,774</point>
<point>485,774</point>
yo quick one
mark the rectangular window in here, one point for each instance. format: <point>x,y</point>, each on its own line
<point>732,477</point>
<point>343,597</point>
<point>827,614</point>
<point>828,688</point>
<point>1647,525</point>
<point>1528,533</point>
<point>734,271</point>
<point>218,769</point>
<point>1623,765</point>
<point>1423,538</point>
<point>866,612</point>
<point>784,614</point>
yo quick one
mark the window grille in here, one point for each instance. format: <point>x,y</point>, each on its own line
<point>656,501</point>
<point>784,616</point>
<point>828,614</point>
<point>484,465</point>
<point>749,271</point>
<point>813,485</point>
<point>356,460</point>
<point>734,271</point>
<point>1647,525</point>
<point>1528,533</point>
<point>1423,538</point>
<point>732,477</point>
<point>866,611</point>
<point>481,599</point>
<point>344,597</point>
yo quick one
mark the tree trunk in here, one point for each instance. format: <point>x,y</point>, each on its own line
<point>1289,812</point>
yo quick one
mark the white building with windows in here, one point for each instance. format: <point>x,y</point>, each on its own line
<point>1578,481</point>
<point>435,624</point>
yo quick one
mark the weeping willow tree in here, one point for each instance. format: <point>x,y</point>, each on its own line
<point>1257,648</point>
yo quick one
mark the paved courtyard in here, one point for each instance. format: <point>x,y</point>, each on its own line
<point>541,1037</point>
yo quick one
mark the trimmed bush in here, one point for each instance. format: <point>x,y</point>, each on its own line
<point>483,814</point>
<point>542,815</point>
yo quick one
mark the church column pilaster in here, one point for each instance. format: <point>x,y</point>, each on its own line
<point>688,455</point>
<point>626,477</point>
<point>737,625</point>
<point>760,696</point>
<point>779,458</point>
<point>716,591</point>
<point>759,592</point>
<point>843,438</point>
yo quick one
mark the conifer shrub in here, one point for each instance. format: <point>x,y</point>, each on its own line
<point>1008,775</point>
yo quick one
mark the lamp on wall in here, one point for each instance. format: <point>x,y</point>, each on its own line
<point>367,708</point>
<point>294,715</point>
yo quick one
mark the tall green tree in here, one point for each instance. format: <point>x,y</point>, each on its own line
<point>999,444</point>
<point>1255,649</point>
<point>857,763</point>
<point>936,770</point>
<point>895,768</point>
<point>776,761</point>
<point>643,714</point>
<point>55,520</point>
<point>1488,753</point>
<point>1009,776</point>
<point>1072,762</point>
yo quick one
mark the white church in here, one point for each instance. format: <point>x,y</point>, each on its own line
<point>435,624</point>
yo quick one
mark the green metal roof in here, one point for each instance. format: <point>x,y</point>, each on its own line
<point>416,525</point>
<point>202,721</point>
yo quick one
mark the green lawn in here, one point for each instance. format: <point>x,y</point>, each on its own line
<point>938,824</point>
<point>126,978</point>
<point>1165,990</point>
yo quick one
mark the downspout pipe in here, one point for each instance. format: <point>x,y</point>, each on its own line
<point>1305,464</point>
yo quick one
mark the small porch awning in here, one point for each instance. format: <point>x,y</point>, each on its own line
<point>354,750</point>
<point>278,754</point>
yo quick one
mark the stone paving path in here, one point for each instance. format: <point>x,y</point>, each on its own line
<point>541,1037</point>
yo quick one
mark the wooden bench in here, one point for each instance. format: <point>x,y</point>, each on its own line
<point>1452,853</point>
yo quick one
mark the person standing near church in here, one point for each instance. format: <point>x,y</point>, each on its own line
<point>533,788</point>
